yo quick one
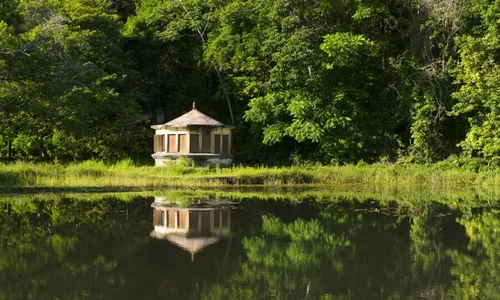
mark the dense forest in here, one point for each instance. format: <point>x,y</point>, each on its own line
<point>302,80</point>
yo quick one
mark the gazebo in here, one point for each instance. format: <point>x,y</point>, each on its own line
<point>193,135</point>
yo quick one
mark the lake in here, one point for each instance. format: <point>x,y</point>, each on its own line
<point>246,247</point>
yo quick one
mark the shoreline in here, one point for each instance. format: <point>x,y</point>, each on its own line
<point>406,197</point>
<point>126,176</point>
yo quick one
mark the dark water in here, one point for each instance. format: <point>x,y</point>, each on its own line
<point>256,249</point>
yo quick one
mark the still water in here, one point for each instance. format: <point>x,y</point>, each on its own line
<point>207,248</point>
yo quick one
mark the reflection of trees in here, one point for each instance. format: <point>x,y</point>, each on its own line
<point>291,253</point>
<point>90,250</point>
<point>343,254</point>
<point>55,249</point>
<point>428,258</point>
<point>477,272</point>
<point>337,254</point>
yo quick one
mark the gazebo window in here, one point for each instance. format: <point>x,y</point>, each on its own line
<point>205,223</point>
<point>217,143</point>
<point>159,143</point>
<point>158,217</point>
<point>217,218</point>
<point>194,143</point>
<point>183,143</point>
<point>183,219</point>
<point>172,143</point>
<point>193,219</point>
<point>225,143</point>
<point>206,143</point>
<point>225,218</point>
<point>172,219</point>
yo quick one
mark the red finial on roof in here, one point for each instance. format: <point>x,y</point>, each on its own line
<point>194,104</point>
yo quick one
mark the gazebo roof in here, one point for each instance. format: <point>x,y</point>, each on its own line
<point>193,244</point>
<point>190,244</point>
<point>192,118</point>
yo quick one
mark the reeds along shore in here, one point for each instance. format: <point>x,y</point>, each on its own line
<point>125,174</point>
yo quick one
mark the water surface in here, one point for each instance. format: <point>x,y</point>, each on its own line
<point>207,248</point>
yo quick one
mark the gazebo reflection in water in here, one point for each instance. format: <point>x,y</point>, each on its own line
<point>193,226</point>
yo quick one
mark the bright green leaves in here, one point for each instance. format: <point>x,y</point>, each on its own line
<point>303,74</point>
<point>478,98</point>
<point>65,69</point>
<point>7,37</point>
<point>274,133</point>
<point>302,79</point>
<point>331,81</point>
<point>483,138</point>
<point>367,9</point>
<point>345,49</point>
<point>303,130</point>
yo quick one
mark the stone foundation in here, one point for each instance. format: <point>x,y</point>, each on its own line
<point>199,159</point>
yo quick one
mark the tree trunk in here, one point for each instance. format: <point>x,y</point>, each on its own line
<point>129,147</point>
<point>9,150</point>
<point>43,151</point>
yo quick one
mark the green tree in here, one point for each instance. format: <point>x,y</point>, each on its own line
<point>478,76</point>
<point>68,84</point>
<point>304,75</point>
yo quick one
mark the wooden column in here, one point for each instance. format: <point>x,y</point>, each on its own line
<point>212,219</point>
<point>221,138</point>
<point>166,142</point>
<point>212,142</point>
<point>220,220</point>
<point>176,219</point>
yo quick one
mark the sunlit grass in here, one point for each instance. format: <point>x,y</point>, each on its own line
<point>97,174</point>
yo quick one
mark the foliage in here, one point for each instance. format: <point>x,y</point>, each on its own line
<point>478,73</point>
<point>65,83</point>
<point>303,81</point>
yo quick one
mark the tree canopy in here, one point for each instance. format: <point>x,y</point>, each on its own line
<point>316,81</point>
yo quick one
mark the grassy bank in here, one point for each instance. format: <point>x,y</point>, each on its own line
<point>92,174</point>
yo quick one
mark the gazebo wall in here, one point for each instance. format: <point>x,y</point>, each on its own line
<point>193,140</point>
<point>214,221</point>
